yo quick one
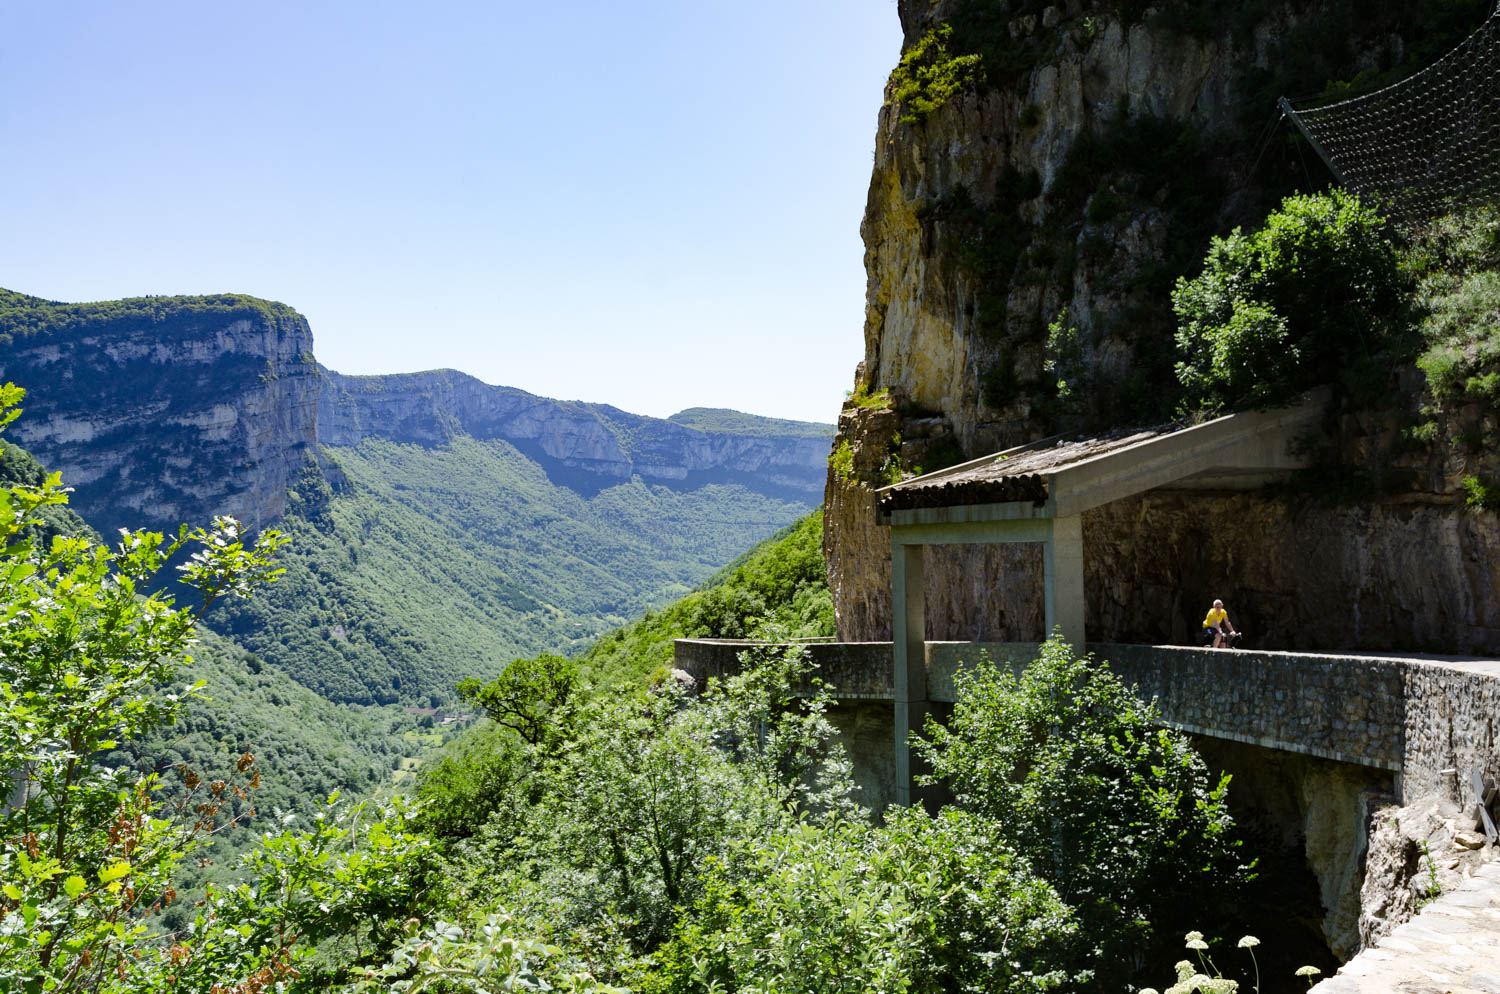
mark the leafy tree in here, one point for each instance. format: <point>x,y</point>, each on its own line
<point>528,697</point>
<point>921,904</point>
<point>1078,778</point>
<point>1316,295</point>
<point>652,787</point>
<point>89,853</point>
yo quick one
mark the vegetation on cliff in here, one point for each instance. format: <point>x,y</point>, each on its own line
<point>1326,292</point>
<point>1097,214</point>
<point>1315,295</point>
<point>1459,298</point>
<point>22,315</point>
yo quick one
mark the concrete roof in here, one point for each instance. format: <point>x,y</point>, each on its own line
<point>1068,475</point>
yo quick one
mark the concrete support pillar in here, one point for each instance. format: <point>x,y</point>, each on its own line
<point>908,602</point>
<point>1062,577</point>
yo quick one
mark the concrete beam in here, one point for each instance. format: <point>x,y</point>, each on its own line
<point>1246,445</point>
<point>909,652</point>
<point>1062,580</point>
<point>1260,441</point>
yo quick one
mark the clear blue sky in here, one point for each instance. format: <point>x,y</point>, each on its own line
<point>650,204</point>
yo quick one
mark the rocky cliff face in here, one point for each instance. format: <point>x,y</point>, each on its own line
<point>587,445</point>
<point>159,417</point>
<point>164,410</point>
<point>1025,226</point>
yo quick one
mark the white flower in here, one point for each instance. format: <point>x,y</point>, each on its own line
<point>1308,971</point>
<point>1197,944</point>
<point>1248,942</point>
<point>1194,936</point>
<point>1202,983</point>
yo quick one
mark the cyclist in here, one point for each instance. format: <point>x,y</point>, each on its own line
<point>1215,623</point>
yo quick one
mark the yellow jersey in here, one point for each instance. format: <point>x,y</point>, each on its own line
<point>1216,615</point>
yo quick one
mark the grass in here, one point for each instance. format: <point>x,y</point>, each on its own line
<point>862,398</point>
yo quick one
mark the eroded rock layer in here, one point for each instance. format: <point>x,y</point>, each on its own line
<point>174,420</point>
<point>159,410</point>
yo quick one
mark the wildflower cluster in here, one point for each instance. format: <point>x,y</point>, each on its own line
<point>1204,977</point>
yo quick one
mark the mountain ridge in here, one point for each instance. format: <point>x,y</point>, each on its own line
<point>169,409</point>
<point>441,526</point>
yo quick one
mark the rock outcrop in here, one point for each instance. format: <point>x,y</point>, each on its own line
<point>173,414</point>
<point>594,444</point>
<point>1026,228</point>
<point>164,410</point>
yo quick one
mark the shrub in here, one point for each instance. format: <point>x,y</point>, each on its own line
<point>1116,813</point>
<point>1459,298</point>
<point>861,397</point>
<point>929,73</point>
<point>1480,496</point>
<point>841,460</point>
<point>922,904</point>
<point>1313,296</point>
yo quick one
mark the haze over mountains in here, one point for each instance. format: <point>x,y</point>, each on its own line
<point>441,526</point>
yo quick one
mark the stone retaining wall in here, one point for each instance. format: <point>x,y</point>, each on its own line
<point>1420,718</point>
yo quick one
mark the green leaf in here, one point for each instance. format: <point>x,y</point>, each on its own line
<point>74,885</point>
<point>114,872</point>
<point>12,891</point>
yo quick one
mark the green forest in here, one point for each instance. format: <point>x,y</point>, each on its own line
<point>431,564</point>
<point>22,315</point>
<point>600,831</point>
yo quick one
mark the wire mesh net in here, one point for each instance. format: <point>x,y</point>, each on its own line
<point>1423,147</point>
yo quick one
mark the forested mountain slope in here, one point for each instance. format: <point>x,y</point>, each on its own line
<point>306,746</point>
<point>441,526</point>
<point>431,564</point>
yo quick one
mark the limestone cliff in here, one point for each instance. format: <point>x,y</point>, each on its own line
<point>588,445</point>
<point>1043,173</point>
<point>163,410</point>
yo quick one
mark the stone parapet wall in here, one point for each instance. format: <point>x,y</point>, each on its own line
<point>855,670</point>
<point>1343,708</point>
<point>1421,718</point>
<point>1452,714</point>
